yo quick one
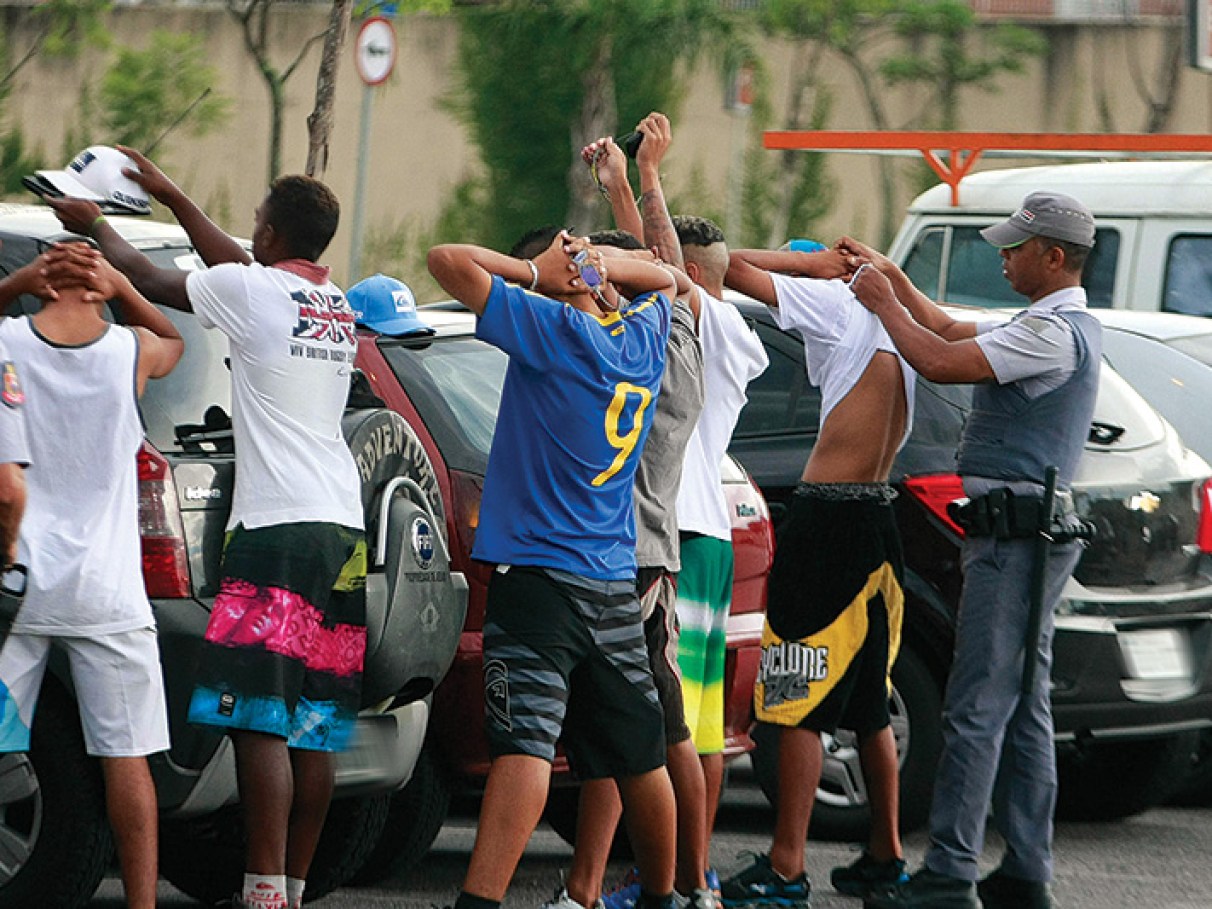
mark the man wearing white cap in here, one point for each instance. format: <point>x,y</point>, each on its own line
<point>1036,382</point>
<point>281,666</point>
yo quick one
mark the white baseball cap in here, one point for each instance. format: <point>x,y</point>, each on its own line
<point>96,174</point>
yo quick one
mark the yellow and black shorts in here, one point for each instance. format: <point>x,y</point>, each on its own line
<point>833,619</point>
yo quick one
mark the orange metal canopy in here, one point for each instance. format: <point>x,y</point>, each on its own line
<point>964,148</point>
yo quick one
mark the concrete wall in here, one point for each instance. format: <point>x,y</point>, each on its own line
<point>1088,82</point>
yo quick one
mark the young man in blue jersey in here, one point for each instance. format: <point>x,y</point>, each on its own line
<point>557,520</point>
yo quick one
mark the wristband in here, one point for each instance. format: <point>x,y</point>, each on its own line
<point>534,274</point>
<point>100,219</point>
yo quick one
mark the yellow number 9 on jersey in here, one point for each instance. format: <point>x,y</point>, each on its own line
<point>625,444</point>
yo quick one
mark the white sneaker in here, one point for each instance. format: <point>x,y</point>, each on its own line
<point>561,900</point>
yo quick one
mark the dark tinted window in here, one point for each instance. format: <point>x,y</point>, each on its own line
<point>200,381</point>
<point>938,420</point>
<point>1188,287</point>
<point>974,272</point>
<point>781,399</point>
<point>924,264</point>
<point>967,270</point>
<point>455,385</point>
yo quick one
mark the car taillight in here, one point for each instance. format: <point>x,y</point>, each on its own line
<point>935,492</point>
<point>1203,536</point>
<point>165,566</point>
<point>466,490</point>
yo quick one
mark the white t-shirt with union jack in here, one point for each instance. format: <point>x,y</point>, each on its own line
<point>292,353</point>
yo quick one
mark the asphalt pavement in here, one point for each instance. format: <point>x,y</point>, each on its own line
<point>1157,860</point>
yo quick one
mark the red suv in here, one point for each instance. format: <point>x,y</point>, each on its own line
<point>448,387</point>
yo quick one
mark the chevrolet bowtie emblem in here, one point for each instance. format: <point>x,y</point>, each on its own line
<point>1144,501</point>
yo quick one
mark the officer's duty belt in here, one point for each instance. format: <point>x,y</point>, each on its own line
<point>1005,515</point>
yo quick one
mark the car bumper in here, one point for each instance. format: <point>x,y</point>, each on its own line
<point>1119,678</point>
<point>384,752</point>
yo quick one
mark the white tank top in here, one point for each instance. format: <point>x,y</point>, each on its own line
<point>80,533</point>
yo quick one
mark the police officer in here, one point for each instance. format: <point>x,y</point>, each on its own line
<point>1036,381</point>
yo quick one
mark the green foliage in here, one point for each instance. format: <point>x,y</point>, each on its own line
<point>15,161</point>
<point>146,93</point>
<point>795,181</point>
<point>364,9</point>
<point>844,25</point>
<point>69,25</point>
<point>939,33</point>
<point>522,70</point>
<point>64,27</point>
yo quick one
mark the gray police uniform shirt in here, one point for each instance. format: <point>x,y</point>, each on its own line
<point>14,448</point>
<point>659,473</point>
<point>1035,349</point>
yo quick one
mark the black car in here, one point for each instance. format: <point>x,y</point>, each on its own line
<point>1132,673</point>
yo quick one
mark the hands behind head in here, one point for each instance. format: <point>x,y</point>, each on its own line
<point>861,252</point>
<point>872,288</point>
<point>67,265</point>
<point>558,274</point>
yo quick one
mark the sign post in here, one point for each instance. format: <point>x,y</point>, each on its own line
<point>375,58</point>
<point>1199,34</point>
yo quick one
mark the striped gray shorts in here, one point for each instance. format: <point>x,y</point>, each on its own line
<point>565,658</point>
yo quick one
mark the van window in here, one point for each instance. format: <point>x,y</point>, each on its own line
<point>974,272</point>
<point>1188,287</point>
<point>925,262</point>
<point>967,270</point>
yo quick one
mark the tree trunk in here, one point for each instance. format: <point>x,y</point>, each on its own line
<point>277,105</point>
<point>1162,107</point>
<point>880,121</point>
<point>599,117</point>
<point>320,120</point>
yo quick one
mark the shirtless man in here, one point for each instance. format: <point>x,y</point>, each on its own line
<point>834,614</point>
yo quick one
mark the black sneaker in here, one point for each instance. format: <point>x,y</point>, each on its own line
<point>761,885</point>
<point>925,890</point>
<point>867,875</point>
<point>1001,891</point>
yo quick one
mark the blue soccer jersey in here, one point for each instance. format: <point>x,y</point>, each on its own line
<point>576,407</point>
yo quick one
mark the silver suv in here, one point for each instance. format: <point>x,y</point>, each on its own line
<point>52,809</point>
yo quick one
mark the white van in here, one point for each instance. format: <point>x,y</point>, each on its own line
<point>1153,240</point>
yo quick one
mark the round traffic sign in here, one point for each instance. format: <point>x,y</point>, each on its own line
<point>375,53</point>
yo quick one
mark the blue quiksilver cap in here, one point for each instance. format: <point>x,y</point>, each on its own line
<point>386,305</point>
<point>805,246</point>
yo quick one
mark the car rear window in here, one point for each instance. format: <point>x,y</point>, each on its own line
<point>200,382</point>
<point>455,385</point>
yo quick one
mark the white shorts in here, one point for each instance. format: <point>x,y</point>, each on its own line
<point>118,684</point>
